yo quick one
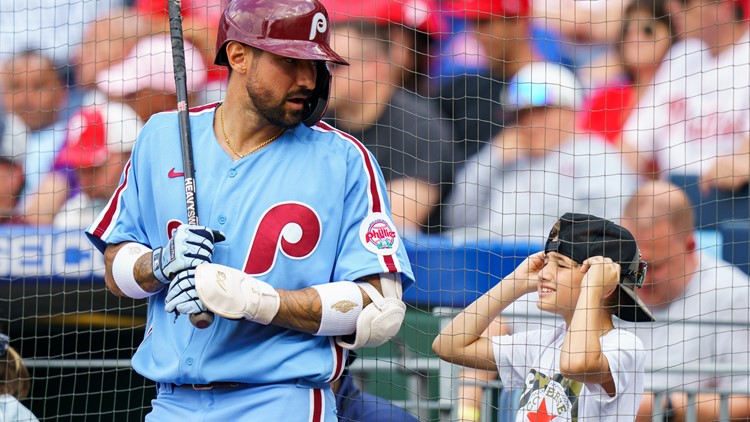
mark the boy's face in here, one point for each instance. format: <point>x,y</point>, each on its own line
<point>559,285</point>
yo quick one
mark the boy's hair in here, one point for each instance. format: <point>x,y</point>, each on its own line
<point>14,377</point>
<point>582,236</point>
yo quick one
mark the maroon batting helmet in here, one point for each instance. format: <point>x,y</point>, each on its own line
<point>289,28</point>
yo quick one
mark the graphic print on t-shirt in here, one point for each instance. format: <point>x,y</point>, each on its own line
<point>546,398</point>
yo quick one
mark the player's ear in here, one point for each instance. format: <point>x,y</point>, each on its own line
<point>236,56</point>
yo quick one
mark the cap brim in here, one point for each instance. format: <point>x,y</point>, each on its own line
<point>116,82</point>
<point>79,158</point>
<point>631,307</point>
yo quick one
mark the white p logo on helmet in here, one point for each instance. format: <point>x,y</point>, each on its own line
<point>319,24</point>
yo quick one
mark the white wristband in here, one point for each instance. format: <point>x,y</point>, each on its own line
<point>341,305</point>
<point>122,270</point>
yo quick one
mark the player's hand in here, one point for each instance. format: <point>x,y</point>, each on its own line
<point>528,272</point>
<point>182,296</point>
<point>233,294</point>
<point>189,247</point>
<point>600,273</point>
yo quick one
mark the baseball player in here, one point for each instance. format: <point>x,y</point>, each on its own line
<point>299,258</point>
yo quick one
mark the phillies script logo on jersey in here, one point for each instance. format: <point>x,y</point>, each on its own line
<point>380,234</point>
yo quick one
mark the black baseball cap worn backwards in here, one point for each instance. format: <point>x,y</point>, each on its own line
<point>582,236</point>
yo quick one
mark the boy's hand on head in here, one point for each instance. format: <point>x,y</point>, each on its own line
<point>600,273</point>
<point>528,271</point>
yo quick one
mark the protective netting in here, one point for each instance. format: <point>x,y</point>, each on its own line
<point>490,119</point>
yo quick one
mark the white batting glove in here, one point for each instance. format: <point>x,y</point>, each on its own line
<point>189,247</point>
<point>233,294</point>
<point>182,296</point>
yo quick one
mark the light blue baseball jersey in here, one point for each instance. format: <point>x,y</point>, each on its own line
<point>310,208</point>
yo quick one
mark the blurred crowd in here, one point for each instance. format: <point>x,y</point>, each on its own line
<point>489,118</point>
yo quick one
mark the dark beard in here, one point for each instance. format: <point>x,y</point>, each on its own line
<point>276,114</point>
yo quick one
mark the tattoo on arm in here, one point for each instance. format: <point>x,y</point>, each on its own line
<point>301,310</point>
<point>144,274</point>
<point>142,271</point>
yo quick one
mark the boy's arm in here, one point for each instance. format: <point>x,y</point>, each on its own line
<point>581,357</point>
<point>461,341</point>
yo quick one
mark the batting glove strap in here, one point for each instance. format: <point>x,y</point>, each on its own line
<point>156,266</point>
<point>188,247</point>
<point>233,294</point>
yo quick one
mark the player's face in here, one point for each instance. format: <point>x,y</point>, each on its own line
<point>664,250</point>
<point>559,285</point>
<point>279,87</point>
<point>645,42</point>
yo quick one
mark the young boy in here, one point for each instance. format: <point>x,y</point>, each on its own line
<point>584,369</point>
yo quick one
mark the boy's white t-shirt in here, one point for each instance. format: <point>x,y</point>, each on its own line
<point>531,360</point>
<point>11,410</point>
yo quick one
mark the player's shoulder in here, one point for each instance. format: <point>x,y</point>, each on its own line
<point>342,143</point>
<point>168,120</point>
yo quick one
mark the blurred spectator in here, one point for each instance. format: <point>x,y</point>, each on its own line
<point>144,80</point>
<point>11,185</point>
<point>13,138</point>
<point>14,385</point>
<point>106,42</point>
<point>98,146</point>
<point>646,39</point>
<point>404,131</point>
<point>691,295</point>
<point>473,102</point>
<point>538,168</point>
<point>695,119</point>
<point>34,91</point>
<point>410,28</point>
<point>53,26</point>
<point>198,27</point>
<point>584,33</point>
<point>354,405</point>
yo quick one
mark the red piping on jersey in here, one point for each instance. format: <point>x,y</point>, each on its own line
<point>338,360</point>
<point>112,207</point>
<point>317,410</point>
<point>373,185</point>
<point>377,205</point>
<point>197,109</point>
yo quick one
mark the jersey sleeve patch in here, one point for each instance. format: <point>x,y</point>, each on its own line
<point>378,234</point>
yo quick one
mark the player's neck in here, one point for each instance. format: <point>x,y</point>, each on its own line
<point>239,130</point>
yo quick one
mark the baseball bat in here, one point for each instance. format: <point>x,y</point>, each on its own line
<point>202,319</point>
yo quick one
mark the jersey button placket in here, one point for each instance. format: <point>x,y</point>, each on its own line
<point>222,220</point>
<point>232,173</point>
